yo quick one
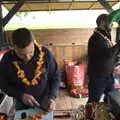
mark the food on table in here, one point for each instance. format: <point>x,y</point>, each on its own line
<point>23,115</point>
<point>32,116</point>
<point>3,117</point>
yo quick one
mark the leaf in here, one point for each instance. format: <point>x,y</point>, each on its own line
<point>114,16</point>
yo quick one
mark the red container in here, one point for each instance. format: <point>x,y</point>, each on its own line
<point>75,74</point>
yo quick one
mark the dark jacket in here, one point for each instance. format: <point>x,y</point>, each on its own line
<point>101,54</point>
<point>12,85</point>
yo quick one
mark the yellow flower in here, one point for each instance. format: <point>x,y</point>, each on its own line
<point>25,80</point>
<point>37,74</point>
<point>16,64</point>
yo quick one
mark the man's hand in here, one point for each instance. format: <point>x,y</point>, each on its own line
<point>29,100</point>
<point>51,105</point>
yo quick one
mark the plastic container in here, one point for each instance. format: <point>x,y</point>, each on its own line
<point>6,103</point>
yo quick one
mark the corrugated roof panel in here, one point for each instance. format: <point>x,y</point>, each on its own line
<point>45,6</point>
<point>97,5</point>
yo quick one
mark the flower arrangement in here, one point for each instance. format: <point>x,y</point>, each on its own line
<point>92,111</point>
<point>77,90</point>
<point>37,73</point>
<point>97,111</point>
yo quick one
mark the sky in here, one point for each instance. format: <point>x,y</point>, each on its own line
<point>56,19</point>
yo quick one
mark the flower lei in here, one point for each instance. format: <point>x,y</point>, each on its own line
<point>106,38</point>
<point>38,71</point>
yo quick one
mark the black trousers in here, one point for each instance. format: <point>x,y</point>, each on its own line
<point>98,86</point>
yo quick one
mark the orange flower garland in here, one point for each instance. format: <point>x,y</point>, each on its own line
<point>38,70</point>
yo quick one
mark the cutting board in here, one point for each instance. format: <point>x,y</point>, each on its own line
<point>48,116</point>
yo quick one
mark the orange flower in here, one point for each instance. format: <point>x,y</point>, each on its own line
<point>39,64</point>
<point>20,73</point>
<point>34,82</point>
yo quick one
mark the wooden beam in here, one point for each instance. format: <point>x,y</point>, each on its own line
<point>27,1</point>
<point>105,4</point>
<point>12,12</point>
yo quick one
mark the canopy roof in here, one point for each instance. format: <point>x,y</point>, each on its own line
<point>50,5</point>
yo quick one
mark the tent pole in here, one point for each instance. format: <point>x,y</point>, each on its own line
<point>1,29</point>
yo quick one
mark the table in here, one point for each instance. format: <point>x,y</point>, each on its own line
<point>48,116</point>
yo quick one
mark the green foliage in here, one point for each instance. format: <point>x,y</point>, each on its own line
<point>22,14</point>
<point>114,16</point>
